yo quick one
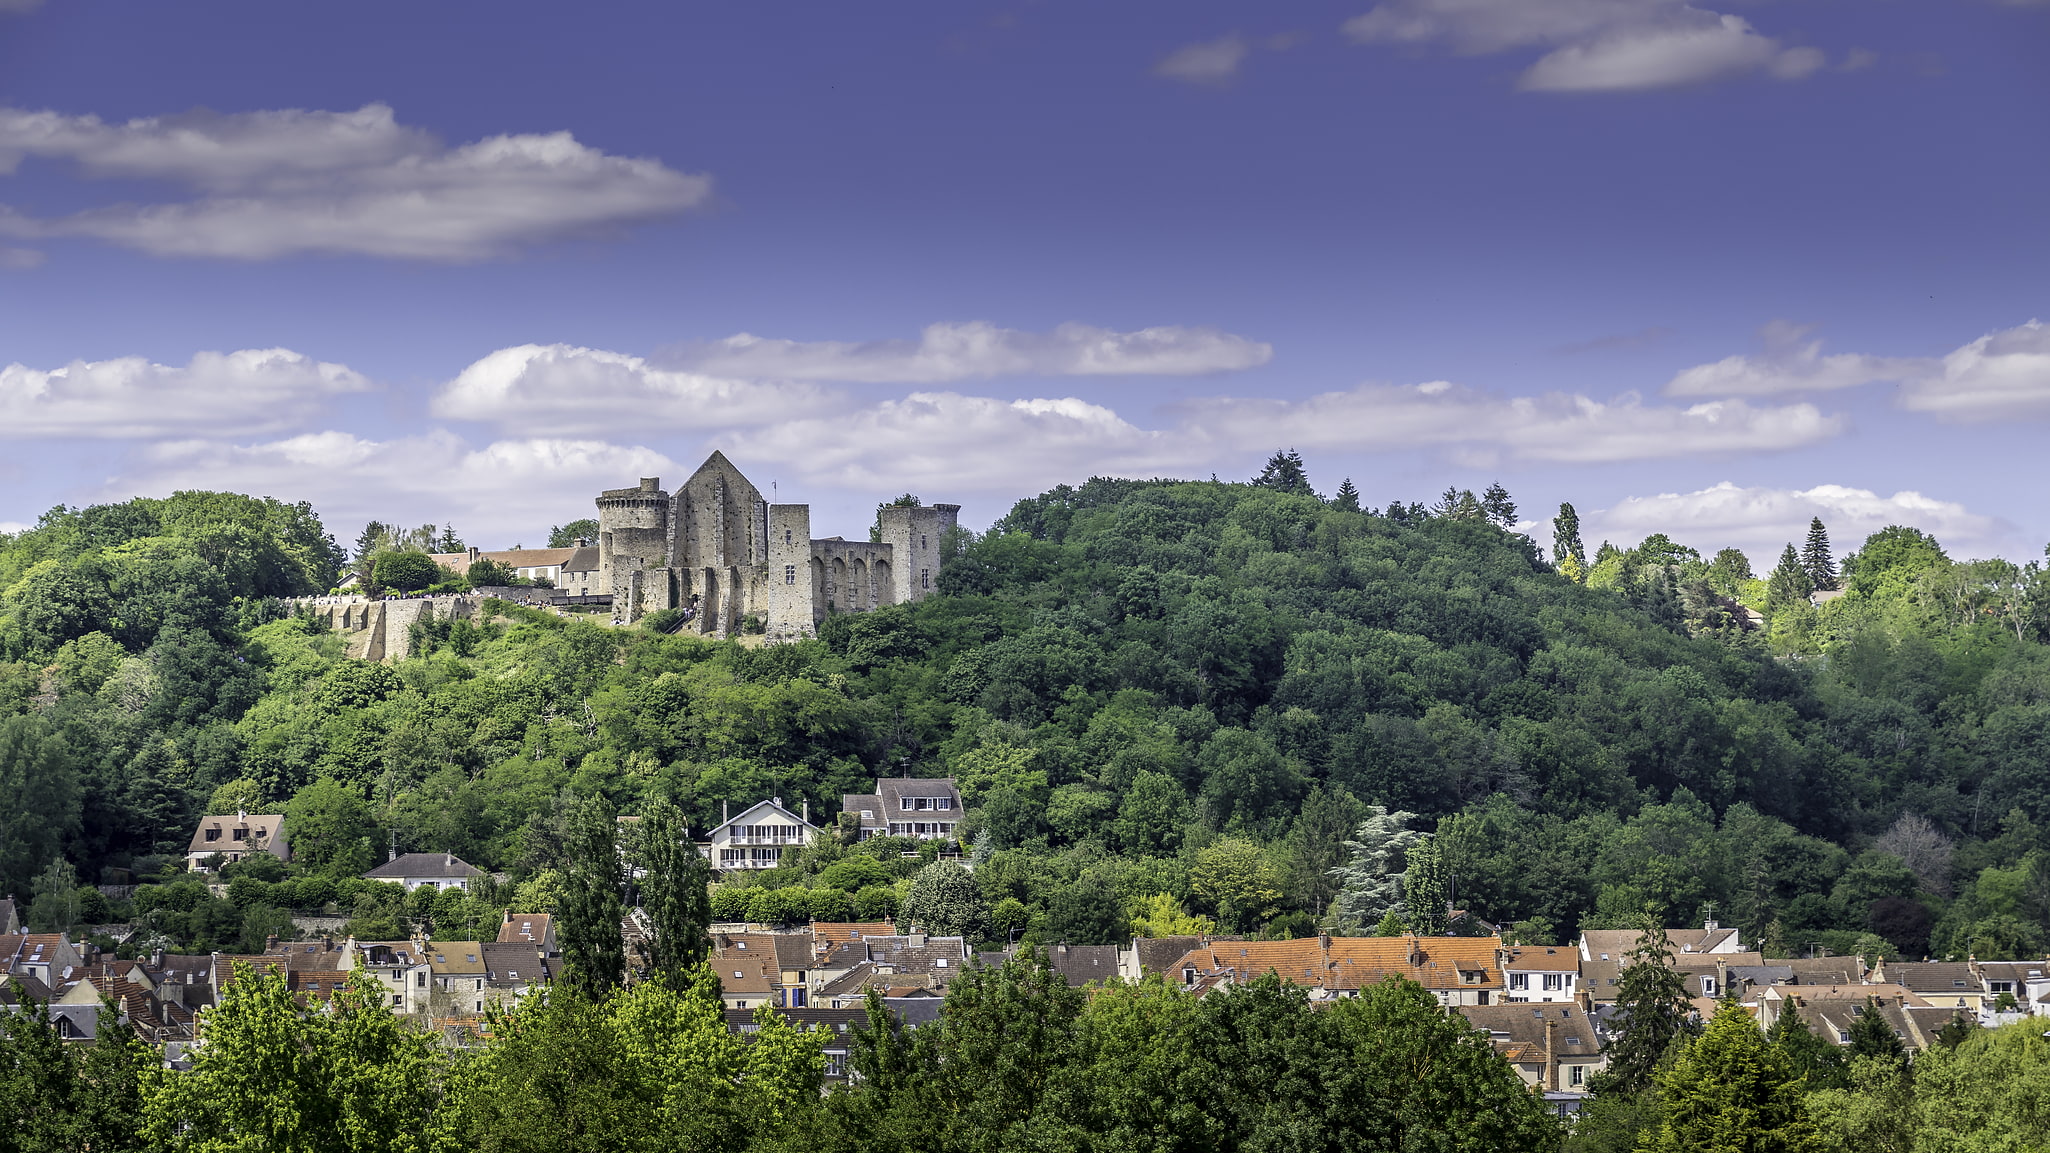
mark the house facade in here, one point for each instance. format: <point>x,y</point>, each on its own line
<point>922,808</point>
<point>425,870</point>
<point>236,835</point>
<point>1541,973</point>
<point>758,837</point>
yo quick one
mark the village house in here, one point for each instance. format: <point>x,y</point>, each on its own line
<point>2025,981</point>
<point>1455,970</point>
<point>1831,1011</point>
<point>536,930</point>
<point>574,569</point>
<point>1951,984</point>
<point>1541,973</point>
<point>923,808</point>
<point>750,974</point>
<point>400,969</point>
<point>837,1024</point>
<point>46,957</point>
<point>1554,1047</point>
<point>234,836</point>
<point>757,838</point>
<point>425,870</point>
<point>511,968</point>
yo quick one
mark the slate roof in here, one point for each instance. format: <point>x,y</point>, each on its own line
<point>1081,964</point>
<point>1573,1032</point>
<point>1159,954</point>
<point>937,956</point>
<point>510,964</point>
<point>1933,978</point>
<point>1617,943</point>
<point>438,866</point>
<point>794,950</point>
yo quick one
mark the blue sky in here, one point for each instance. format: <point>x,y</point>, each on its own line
<point>1709,269</point>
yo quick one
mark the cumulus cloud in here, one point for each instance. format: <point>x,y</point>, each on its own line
<point>435,476</point>
<point>1591,45</point>
<point>1205,62</point>
<point>564,389</point>
<point>2003,373</point>
<point>960,351</point>
<point>1762,521</point>
<point>985,443</point>
<point>278,183</point>
<point>254,390</point>
<point>1790,363</point>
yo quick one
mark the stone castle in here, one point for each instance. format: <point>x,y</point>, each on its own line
<point>716,549</point>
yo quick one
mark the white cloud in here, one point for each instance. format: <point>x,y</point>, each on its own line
<point>1790,363</point>
<point>278,183</point>
<point>2000,374</point>
<point>20,5</point>
<point>1762,521</point>
<point>979,443</point>
<point>19,257</point>
<point>965,443</point>
<point>1482,428</point>
<point>505,492</point>
<point>959,351</point>
<point>1594,45</point>
<point>254,390</point>
<point>1205,62</point>
<point>563,389</point>
<point>9,527</point>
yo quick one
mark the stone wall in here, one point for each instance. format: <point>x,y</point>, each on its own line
<point>383,630</point>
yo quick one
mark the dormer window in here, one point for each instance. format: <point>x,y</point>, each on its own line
<point>213,834</point>
<point>241,834</point>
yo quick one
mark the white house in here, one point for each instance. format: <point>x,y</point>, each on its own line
<point>757,837</point>
<point>235,835</point>
<point>925,808</point>
<point>1541,973</point>
<point>432,870</point>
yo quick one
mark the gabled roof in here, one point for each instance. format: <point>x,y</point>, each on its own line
<point>1080,964</point>
<point>759,812</point>
<point>826,934</point>
<point>1344,963</point>
<point>437,866</point>
<point>1950,978</point>
<point>509,964</point>
<point>794,950</point>
<point>1572,1030</point>
<point>526,928</point>
<point>1542,959</point>
<point>1618,943</point>
<point>1159,954</point>
<point>455,958</point>
<point>265,830</point>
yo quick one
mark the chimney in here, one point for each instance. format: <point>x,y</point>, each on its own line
<point>1551,1055</point>
<point>807,810</point>
<point>724,816</point>
<point>240,816</point>
<point>448,862</point>
<point>270,943</point>
<point>917,940</point>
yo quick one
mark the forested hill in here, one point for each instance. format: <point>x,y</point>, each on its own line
<point>1188,689</point>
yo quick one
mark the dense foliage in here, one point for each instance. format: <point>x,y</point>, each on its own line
<point>1164,702</point>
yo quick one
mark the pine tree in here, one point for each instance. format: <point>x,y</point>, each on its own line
<point>674,895</point>
<point>1497,506</point>
<point>1872,1036</point>
<point>1285,473</point>
<point>1347,497</point>
<point>591,910</point>
<point>1568,553</point>
<point>1370,888</point>
<point>449,541</point>
<point>1789,583</point>
<point>1815,557</point>
<point>1426,888</point>
<point>1819,1063</point>
<point>1731,1091</point>
<point>1652,1008</point>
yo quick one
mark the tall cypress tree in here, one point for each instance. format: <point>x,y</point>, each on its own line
<point>1652,1008</point>
<point>588,919</point>
<point>1426,887</point>
<point>675,895</point>
<point>1815,557</point>
<point>1568,553</point>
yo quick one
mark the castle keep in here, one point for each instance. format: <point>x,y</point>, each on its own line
<point>715,547</point>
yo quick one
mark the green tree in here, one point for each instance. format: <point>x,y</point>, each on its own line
<point>405,571</point>
<point>1729,571</point>
<point>1497,506</point>
<point>1652,1009</point>
<point>1370,885</point>
<point>587,920</point>
<point>1149,820</point>
<point>1816,559</point>
<point>1789,583</point>
<point>39,799</point>
<point>487,573</point>
<point>1087,912</point>
<point>1569,555</point>
<point>1872,1036</point>
<point>1236,878</point>
<point>58,906</point>
<point>1347,498</point>
<point>1284,473</point>
<point>567,535</point>
<point>675,886</point>
<point>351,1078</point>
<point>1817,1061</point>
<point>39,1091</point>
<point>945,901</point>
<point>1730,1090</point>
<point>328,824</point>
<point>1426,887</point>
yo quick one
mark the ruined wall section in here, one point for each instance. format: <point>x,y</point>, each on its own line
<point>383,630</point>
<point>633,536</point>
<point>788,593</point>
<point>916,537</point>
<point>849,572</point>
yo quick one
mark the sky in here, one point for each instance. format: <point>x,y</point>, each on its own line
<point>1705,269</point>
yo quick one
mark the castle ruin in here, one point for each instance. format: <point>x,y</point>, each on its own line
<point>718,550</point>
